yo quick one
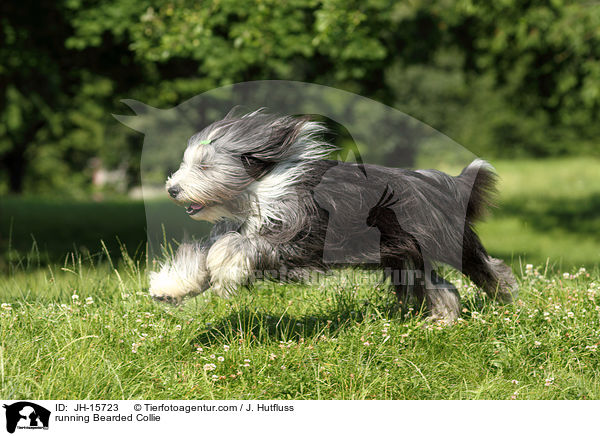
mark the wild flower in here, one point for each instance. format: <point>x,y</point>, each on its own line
<point>226,347</point>
<point>549,381</point>
<point>220,358</point>
<point>6,306</point>
<point>209,367</point>
<point>89,300</point>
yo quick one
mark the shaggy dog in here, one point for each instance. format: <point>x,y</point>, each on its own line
<point>282,210</point>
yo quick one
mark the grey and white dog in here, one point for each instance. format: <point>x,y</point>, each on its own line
<point>283,210</point>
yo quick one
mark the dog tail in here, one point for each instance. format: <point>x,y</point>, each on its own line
<point>478,182</point>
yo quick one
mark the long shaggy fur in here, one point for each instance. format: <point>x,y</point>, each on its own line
<point>283,210</point>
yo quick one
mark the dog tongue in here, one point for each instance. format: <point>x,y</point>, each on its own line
<point>195,206</point>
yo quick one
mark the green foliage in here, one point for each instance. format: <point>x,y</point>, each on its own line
<point>504,78</point>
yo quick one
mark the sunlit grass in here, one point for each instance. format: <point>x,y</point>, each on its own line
<point>83,326</point>
<point>88,330</point>
<point>548,210</point>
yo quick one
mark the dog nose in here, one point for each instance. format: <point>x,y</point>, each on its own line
<point>174,190</point>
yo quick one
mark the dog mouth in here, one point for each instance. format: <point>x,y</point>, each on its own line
<point>194,208</point>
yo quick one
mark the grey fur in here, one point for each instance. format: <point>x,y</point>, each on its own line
<point>280,206</point>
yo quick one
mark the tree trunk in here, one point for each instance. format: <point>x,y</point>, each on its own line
<point>15,164</point>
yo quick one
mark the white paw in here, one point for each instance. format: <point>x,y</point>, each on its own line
<point>168,286</point>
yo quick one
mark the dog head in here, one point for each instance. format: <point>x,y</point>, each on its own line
<point>223,163</point>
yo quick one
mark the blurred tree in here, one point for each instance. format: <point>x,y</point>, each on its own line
<point>540,57</point>
<point>64,64</point>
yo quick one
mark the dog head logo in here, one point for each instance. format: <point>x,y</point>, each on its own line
<point>26,415</point>
<point>224,154</point>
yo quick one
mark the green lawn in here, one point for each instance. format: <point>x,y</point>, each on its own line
<point>548,210</point>
<point>82,325</point>
<point>86,332</point>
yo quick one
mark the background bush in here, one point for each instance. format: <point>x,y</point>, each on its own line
<point>505,79</point>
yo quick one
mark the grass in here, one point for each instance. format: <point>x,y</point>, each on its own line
<point>82,326</point>
<point>547,209</point>
<point>89,331</point>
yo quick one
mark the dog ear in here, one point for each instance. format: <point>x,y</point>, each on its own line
<point>255,167</point>
<point>285,133</point>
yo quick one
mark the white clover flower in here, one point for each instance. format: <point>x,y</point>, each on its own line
<point>177,327</point>
<point>6,306</point>
<point>220,358</point>
<point>549,381</point>
<point>226,347</point>
<point>89,300</point>
<point>210,367</point>
<point>75,297</point>
<point>566,275</point>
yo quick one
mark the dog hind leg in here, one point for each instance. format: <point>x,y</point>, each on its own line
<point>442,298</point>
<point>406,278</point>
<point>490,274</point>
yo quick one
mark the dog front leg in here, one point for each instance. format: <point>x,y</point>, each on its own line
<point>232,260</point>
<point>183,275</point>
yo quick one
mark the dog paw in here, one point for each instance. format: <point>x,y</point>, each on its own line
<point>167,288</point>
